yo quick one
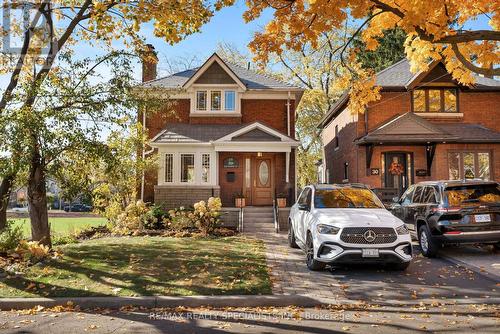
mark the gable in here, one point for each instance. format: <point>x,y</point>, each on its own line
<point>408,123</point>
<point>438,74</point>
<point>215,74</point>
<point>256,135</point>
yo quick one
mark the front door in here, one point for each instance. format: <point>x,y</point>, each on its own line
<point>262,192</point>
<point>396,172</point>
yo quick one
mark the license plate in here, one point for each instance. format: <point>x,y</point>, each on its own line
<point>482,218</point>
<point>370,253</point>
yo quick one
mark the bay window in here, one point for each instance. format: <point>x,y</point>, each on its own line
<point>169,168</point>
<point>205,168</point>
<point>187,168</point>
<point>469,165</point>
<point>435,100</point>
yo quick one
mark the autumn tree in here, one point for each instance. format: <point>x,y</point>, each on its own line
<point>434,30</point>
<point>53,29</point>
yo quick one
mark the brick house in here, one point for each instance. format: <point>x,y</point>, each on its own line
<point>232,131</point>
<point>426,126</point>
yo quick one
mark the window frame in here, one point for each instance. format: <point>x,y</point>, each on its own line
<point>172,168</point>
<point>441,102</point>
<point>202,165</point>
<point>461,171</point>
<point>209,96</point>
<point>181,155</point>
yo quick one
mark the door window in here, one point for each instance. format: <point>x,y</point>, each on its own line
<point>407,196</point>
<point>263,173</point>
<point>417,198</point>
<point>430,196</point>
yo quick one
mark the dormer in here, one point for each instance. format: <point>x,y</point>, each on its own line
<point>214,90</point>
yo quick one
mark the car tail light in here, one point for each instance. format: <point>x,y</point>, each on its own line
<point>446,210</point>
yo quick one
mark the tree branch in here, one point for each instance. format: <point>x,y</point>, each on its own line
<point>470,66</point>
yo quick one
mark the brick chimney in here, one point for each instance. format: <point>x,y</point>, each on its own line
<point>149,62</point>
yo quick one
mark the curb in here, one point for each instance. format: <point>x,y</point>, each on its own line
<point>474,268</point>
<point>7,304</point>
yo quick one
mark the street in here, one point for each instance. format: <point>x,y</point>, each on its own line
<point>354,319</point>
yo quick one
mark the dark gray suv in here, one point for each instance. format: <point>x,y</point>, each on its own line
<point>450,212</point>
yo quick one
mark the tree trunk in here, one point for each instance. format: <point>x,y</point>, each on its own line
<point>5,190</point>
<point>37,197</point>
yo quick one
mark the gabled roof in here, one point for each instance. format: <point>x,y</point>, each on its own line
<point>249,78</point>
<point>399,77</point>
<point>411,128</point>
<point>206,133</point>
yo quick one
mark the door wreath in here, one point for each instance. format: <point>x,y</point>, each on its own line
<point>396,168</point>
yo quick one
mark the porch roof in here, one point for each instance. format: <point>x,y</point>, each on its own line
<point>410,128</point>
<point>254,135</point>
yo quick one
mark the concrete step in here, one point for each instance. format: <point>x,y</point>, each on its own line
<point>258,220</point>
<point>257,209</point>
<point>263,215</point>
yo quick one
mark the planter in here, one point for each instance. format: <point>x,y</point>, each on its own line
<point>240,202</point>
<point>281,202</point>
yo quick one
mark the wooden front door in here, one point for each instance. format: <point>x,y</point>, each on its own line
<point>262,181</point>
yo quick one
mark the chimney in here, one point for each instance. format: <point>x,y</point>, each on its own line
<point>149,62</point>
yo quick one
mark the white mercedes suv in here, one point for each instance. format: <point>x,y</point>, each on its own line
<point>347,223</point>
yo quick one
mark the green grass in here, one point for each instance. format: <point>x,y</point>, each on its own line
<point>132,266</point>
<point>61,225</point>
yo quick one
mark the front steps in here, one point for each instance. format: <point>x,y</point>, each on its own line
<point>258,219</point>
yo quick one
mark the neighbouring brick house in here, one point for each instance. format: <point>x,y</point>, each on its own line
<point>232,131</point>
<point>426,126</point>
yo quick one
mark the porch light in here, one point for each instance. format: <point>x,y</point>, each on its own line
<point>259,154</point>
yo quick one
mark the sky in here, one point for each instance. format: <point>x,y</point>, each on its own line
<point>227,26</point>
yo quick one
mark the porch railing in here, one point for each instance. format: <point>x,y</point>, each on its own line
<point>276,216</point>
<point>386,194</point>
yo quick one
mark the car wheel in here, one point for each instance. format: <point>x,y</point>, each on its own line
<point>497,246</point>
<point>428,246</point>
<point>400,266</point>
<point>291,236</point>
<point>312,264</point>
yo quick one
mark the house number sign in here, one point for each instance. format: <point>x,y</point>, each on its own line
<point>230,163</point>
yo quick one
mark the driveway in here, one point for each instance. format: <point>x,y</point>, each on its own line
<point>425,280</point>
<point>482,259</point>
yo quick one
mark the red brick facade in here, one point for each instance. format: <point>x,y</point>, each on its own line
<point>475,107</point>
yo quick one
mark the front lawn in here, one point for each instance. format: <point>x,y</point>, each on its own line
<point>62,225</point>
<point>132,266</point>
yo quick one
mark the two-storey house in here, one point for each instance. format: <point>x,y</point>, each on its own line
<point>426,126</point>
<point>229,131</point>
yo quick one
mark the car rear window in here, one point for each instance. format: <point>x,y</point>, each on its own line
<point>471,194</point>
<point>346,198</point>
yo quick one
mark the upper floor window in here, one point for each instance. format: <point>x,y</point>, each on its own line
<point>220,100</point>
<point>435,100</point>
<point>230,100</point>
<point>201,100</point>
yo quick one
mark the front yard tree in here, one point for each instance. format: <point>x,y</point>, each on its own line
<point>56,27</point>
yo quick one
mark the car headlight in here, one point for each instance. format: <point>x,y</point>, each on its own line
<point>327,229</point>
<point>402,230</point>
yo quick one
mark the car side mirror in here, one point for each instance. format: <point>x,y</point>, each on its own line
<point>303,207</point>
<point>395,200</point>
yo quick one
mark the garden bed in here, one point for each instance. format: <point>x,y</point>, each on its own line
<point>133,266</point>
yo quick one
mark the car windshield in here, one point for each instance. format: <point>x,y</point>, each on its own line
<point>346,198</point>
<point>471,194</point>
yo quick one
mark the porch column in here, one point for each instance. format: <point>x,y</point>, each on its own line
<point>287,167</point>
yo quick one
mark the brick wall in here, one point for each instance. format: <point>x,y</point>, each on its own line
<point>481,108</point>
<point>272,113</point>
<point>175,196</point>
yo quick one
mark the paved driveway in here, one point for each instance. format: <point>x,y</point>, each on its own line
<point>426,279</point>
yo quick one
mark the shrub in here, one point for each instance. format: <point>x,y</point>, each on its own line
<point>154,219</point>
<point>206,215</point>
<point>136,217</point>
<point>180,219</point>
<point>10,237</point>
<point>58,240</point>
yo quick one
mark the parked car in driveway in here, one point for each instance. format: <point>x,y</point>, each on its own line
<point>450,212</point>
<point>347,223</point>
